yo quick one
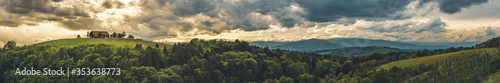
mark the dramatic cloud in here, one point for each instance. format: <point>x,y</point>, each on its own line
<point>331,10</point>
<point>43,6</point>
<point>454,6</point>
<point>356,30</point>
<point>435,25</point>
<point>112,4</point>
<point>272,20</point>
<point>249,15</point>
<point>79,24</point>
<point>18,12</point>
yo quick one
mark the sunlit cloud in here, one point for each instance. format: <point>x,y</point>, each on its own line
<point>251,20</point>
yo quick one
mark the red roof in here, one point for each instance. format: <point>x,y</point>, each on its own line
<point>101,32</point>
<point>104,33</point>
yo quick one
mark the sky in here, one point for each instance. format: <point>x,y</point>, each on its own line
<point>33,21</point>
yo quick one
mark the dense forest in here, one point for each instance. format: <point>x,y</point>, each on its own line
<point>219,61</point>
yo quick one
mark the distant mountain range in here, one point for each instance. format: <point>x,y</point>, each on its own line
<point>311,45</point>
<point>353,51</point>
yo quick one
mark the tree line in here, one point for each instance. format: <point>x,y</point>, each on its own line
<point>219,61</point>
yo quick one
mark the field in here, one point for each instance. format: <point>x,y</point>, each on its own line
<point>430,60</point>
<point>113,41</point>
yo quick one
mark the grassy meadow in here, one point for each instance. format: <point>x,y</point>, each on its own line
<point>114,41</point>
<point>493,78</point>
<point>437,59</point>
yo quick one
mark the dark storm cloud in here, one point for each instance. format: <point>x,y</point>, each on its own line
<point>70,12</point>
<point>287,22</point>
<point>33,11</point>
<point>454,6</point>
<point>331,10</point>
<point>222,15</point>
<point>207,23</point>
<point>42,6</point>
<point>26,6</point>
<point>249,15</point>
<point>78,24</point>
<point>159,14</point>
<point>111,4</point>
<point>56,0</point>
<point>106,4</point>
<point>10,23</point>
<point>192,7</point>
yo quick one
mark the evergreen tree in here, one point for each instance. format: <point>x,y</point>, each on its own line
<point>10,45</point>
<point>130,37</point>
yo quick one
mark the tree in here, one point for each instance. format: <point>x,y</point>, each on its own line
<point>295,69</point>
<point>402,56</point>
<point>169,76</point>
<point>122,35</point>
<point>347,66</point>
<point>365,80</point>
<point>242,46</point>
<point>381,76</point>
<point>395,73</point>
<point>165,51</point>
<point>273,69</point>
<point>308,78</point>
<point>78,36</point>
<point>270,81</point>
<point>131,36</point>
<point>10,45</point>
<point>284,79</point>
<point>157,46</point>
<point>395,70</point>
<point>325,67</point>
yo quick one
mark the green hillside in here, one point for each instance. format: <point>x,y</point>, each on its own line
<point>113,41</point>
<point>493,78</point>
<point>430,60</point>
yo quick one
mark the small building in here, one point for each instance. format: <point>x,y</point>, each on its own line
<point>98,34</point>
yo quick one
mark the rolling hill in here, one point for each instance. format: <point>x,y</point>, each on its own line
<point>493,78</point>
<point>431,60</point>
<point>352,51</point>
<point>455,44</point>
<point>308,45</point>
<point>311,45</point>
<point>113,41</point>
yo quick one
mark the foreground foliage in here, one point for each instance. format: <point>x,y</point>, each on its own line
<point>218,61</point>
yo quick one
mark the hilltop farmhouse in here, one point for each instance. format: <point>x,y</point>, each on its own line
<point>104,34</point>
